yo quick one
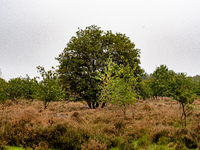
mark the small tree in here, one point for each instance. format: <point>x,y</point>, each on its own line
<point>182,91</point>
<point>49,89</point>
<point>119,84</point>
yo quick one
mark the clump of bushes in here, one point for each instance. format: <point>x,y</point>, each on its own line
<point>59,136</point>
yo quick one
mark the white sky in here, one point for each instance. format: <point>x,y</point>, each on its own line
<point>34,32</point>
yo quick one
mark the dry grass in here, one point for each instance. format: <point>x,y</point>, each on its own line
<point>74,126</point>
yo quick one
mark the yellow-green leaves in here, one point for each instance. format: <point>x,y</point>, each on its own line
<point>118,85</point>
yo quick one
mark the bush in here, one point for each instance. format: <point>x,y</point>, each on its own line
<point>94,145</point>
<point>57,135</point>
<point>3,145</point>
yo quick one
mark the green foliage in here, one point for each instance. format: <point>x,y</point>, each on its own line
<point>3,90</point>
<point>15,88</point>
<point>142,142</point>
<point>21,88</point>
<point>166,82</point>
<point>196,82</point>
<point>16,148</point>
<point>146,90</point>
<point>197,88</point>
<point>182,88</point>
<point>28,87</point>
<point>119,84</point>
<point>87,53</point>
<point>49,88</point>
<point>160,84</point>
<point>182,91</point>
<point>196,78</point>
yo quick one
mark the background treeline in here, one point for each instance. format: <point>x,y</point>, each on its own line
<point>158,84</point>
<point>161,83</point>
<point>46,89</point>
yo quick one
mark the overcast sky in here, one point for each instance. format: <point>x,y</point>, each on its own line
<point>34,32</point>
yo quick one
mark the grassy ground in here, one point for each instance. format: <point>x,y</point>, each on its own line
<point>150,124</point>
<point>14,148</point>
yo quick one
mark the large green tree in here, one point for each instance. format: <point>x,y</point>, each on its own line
<point>86,53</point>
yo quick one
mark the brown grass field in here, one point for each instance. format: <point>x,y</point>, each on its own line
<point>150,124</point>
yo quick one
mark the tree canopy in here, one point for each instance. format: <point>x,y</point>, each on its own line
<point>86,53</point>
<point>3,89</point>
<point>48,88</point>
<point>162,78</point>
<point>182,90</point>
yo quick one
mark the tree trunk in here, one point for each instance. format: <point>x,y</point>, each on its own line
<point>184,113</point>
<point>103,105</point>
<point>97,104</point>
<point>46,103</point>
<point>89,104</point>
<point>124,112</point>
<point>93,105</point>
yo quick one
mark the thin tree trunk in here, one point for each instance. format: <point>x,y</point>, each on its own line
<point>184,113</point>
<point>97,104</point>
<point>93,105</point>
<point>124,112</point>
<point>103,105</point>
<point>46,103</point>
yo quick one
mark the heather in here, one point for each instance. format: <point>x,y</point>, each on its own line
<point>149,124</point>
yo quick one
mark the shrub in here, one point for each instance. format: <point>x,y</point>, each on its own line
<point>3,145</point>
<point>94,145</point>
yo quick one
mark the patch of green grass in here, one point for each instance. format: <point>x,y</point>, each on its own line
<point>159,147</point>
<point>142,142</point>
<point>15,148</point>
<point>18,148</point>
<point>115,148</point>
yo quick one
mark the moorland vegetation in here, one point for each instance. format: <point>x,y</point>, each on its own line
<point>61,110</point>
